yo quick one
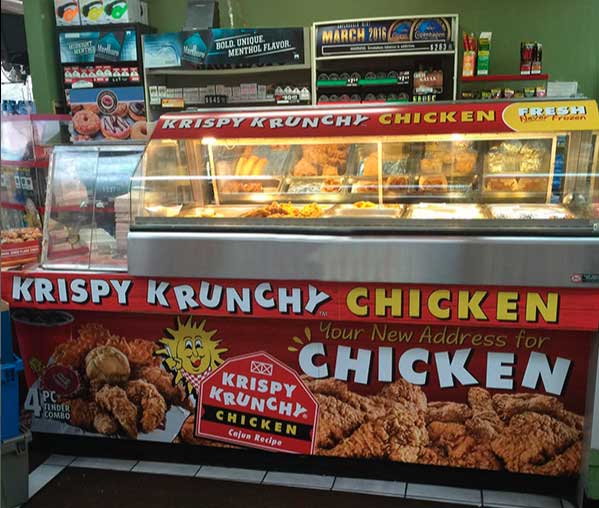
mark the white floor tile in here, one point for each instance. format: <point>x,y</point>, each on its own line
<point>501,499</point>
<point>41,475</point>
<point>306,481</point>
<point>376,487</point>
<point>234,474</point>
<point>470,497</point>
<point>59,460</point>
<point>168,468</point>
<point>104,463</point>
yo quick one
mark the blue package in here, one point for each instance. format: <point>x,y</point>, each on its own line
<point>78,47</point>
<point>109,47</point>
<point>194,49</point>
<point>163,50</point>
<point>129,49</point>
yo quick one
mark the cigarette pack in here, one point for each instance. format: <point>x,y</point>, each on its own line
<point>484,53</point>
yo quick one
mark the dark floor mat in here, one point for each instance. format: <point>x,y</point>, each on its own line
<point>92,488</point>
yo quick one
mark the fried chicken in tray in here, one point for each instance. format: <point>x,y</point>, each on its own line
<point>286,211</point>
<point>123,388</point>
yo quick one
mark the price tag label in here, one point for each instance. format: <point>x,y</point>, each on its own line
<point>173,103</point>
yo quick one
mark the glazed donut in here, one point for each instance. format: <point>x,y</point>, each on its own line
<point>93,107</point>
<point>115,127</point>
<point>139,130</point>
<point>137,111</point>
<point>121,109</point>
<point>86,123</point>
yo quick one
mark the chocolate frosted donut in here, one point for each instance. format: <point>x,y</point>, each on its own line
<point>137,111</point>
<point>115,127</point>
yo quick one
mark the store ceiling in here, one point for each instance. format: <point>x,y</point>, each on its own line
<point>12,6</point>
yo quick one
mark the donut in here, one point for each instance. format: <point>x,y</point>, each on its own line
<point>121,109</point>
<point>115,127</point>
<point>93,107</point>
<point>137,111</point>
<point>75,108</point>
<point>86,122</point>
<point>139,130</point>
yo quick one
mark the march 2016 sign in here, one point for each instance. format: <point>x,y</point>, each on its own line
<point>257,401</point>
<point>392,35</point>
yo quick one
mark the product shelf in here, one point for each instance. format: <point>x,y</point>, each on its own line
<point>506,77</point>
<point>361,82</point>
<point>218,72</point>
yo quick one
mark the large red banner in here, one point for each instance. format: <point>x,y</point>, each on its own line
<point>491,306</point>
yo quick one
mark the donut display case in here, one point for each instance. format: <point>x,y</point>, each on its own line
<point>87,207</point>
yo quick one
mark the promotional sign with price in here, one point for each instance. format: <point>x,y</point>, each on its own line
<point>391,35</point>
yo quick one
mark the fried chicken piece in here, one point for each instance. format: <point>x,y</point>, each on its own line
<point>304,168</point>
<point>564,464</point>
<point>164,381</point>
<point>82,413</point>
<point>508,405</point>
<point>94,333</point>
<point>113,400</point>
<point>532,439</point>
<point>452,445</point>
<point>105,424</point>
<point>399,436</point>
<point>485,423</point>
<point>139,352</point>
<point>447,412</point>
<point>72,353</point>
<point>337,420</point>
<point>328,386</point>
<point>329,170</point>
<point>149,402</point>
<point>402,390</point>
<point>186,434</point>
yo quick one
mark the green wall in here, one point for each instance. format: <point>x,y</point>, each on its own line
<point>568,29</point>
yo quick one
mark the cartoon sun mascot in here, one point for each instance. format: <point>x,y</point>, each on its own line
<point>190,352</point>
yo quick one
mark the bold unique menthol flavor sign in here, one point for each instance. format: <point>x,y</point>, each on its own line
<point>257,401</point>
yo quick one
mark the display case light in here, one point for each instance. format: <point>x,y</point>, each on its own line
<point>208,141</point>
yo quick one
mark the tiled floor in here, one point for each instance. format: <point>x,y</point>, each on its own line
<point>461,496</point>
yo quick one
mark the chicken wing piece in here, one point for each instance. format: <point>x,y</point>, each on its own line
<point>509,405</point>
<point>113,400</point>
<point>564,464</point>
<point>150,403</point>
<point>401,390</point>
<point>139,352</point>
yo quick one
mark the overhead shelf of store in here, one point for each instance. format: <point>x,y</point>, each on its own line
<point>227,72</point>
<point>361,82</point>
<point>507,77</point>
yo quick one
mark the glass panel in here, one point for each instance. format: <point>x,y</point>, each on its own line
<point>384,182</point>
<point>69,219</point>
<point>87,220</point>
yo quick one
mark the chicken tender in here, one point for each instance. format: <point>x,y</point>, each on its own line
<point>448,412</point>
<point>150,403</point>
<point>337,420</point>
<point>485,423</point>
<point>114,401</point>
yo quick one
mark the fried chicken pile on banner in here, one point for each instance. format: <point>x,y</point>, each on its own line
<point>123,388</point>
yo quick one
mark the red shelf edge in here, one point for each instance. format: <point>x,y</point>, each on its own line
<point>507,77</point>
<point>39,163</point>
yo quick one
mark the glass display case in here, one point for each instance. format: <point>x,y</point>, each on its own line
<point>460,169</point>
<point>87,209</point>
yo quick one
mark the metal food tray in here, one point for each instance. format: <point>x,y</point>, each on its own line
<point>227,211</point>
<point>318,196</point>
<point>378,212</point>
<point>484,213</point>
